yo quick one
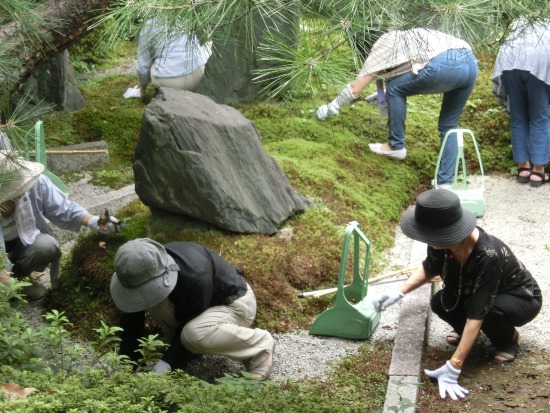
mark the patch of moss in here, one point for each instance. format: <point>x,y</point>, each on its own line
<point>328,162</point>
<point>82,290</point>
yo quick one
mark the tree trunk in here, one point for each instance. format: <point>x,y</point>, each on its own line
<point>70,19</point>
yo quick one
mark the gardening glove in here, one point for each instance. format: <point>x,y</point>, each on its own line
<point>447,378</point>
<point>132,92</point>
<point>384,300</point>
<point>345,98</point>
<point>110,227</point>
<point>161,368</point>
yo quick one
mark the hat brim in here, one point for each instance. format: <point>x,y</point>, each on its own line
<point>132,300</point>
<point>441,236</point>
<point>20,180</point>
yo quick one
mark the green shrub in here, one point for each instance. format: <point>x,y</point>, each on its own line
<point>351,387</point>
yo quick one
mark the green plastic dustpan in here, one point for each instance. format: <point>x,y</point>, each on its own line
<point>353,315</point>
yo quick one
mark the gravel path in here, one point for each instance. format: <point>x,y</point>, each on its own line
<point>514,213</point>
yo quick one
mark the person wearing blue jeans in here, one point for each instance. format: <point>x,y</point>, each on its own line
<point>521,82</point>
<point>414,62</point>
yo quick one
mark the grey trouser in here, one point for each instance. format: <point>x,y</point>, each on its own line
<point>223,330</point>
<point>35,257</point>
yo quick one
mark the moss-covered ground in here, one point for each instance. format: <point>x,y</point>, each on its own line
<point>327,162</point>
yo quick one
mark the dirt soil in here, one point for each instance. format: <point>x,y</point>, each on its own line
<point>522,386</point>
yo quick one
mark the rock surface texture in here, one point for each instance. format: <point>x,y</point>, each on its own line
<point>203,160</point>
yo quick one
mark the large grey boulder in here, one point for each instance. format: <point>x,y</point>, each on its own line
<point>54,82</point>
<point>204,160</point>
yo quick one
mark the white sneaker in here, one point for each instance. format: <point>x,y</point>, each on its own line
<point>399,154</point>
<point>445,186</point>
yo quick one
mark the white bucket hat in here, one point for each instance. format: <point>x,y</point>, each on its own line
<point>17,175</point>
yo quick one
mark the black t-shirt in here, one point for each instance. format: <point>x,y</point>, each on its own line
<point>491,269</point>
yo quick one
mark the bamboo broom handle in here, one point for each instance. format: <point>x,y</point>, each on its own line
<point>320,293</point>
<point>73,151</point>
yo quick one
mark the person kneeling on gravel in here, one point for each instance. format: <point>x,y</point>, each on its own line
<point>28,200</point>
<point>200,301</point>
<point>485,287</point>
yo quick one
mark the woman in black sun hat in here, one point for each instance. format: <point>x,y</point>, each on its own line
<point>485,287</point>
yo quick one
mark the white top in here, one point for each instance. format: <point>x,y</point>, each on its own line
<point>526,48</point>
<point>401,51</point>
<point>173,54</point>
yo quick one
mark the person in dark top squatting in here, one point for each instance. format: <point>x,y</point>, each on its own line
<point>201,302</point>
<point>485,287</point>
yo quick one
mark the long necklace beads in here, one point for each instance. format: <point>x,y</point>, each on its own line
<point>444,275</point>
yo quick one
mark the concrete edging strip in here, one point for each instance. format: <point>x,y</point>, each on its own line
<point>409,343</point>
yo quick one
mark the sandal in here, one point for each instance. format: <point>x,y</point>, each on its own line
<point>523,179</point>
<point>509,352</point>
<point>453,338</point>
<point>544,177</point>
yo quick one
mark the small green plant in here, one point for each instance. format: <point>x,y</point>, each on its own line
<point>404,403</point>
<point>56,335</point>
<point>20,346</point>
<point>49,346</point>
<point>150,349</point>
<point>105,346</point>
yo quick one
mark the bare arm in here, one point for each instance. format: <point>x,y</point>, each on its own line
<point>360,83</point>
<point>469,336</point>
<point>86,219</point>
<point>417,279</point>
<point>5,277</point>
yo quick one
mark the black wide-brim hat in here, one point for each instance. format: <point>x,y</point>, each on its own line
<point>438,219</point>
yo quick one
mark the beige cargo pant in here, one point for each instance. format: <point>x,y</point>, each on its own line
<point>223,330</point>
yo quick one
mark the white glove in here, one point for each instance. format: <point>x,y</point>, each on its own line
<point>447,378</point>
<point>161,368</point>
<point>132,92</point>
<point>114,225</point>
<point>384,300</point>
<point>345,98</point>
<point>327,110</point>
